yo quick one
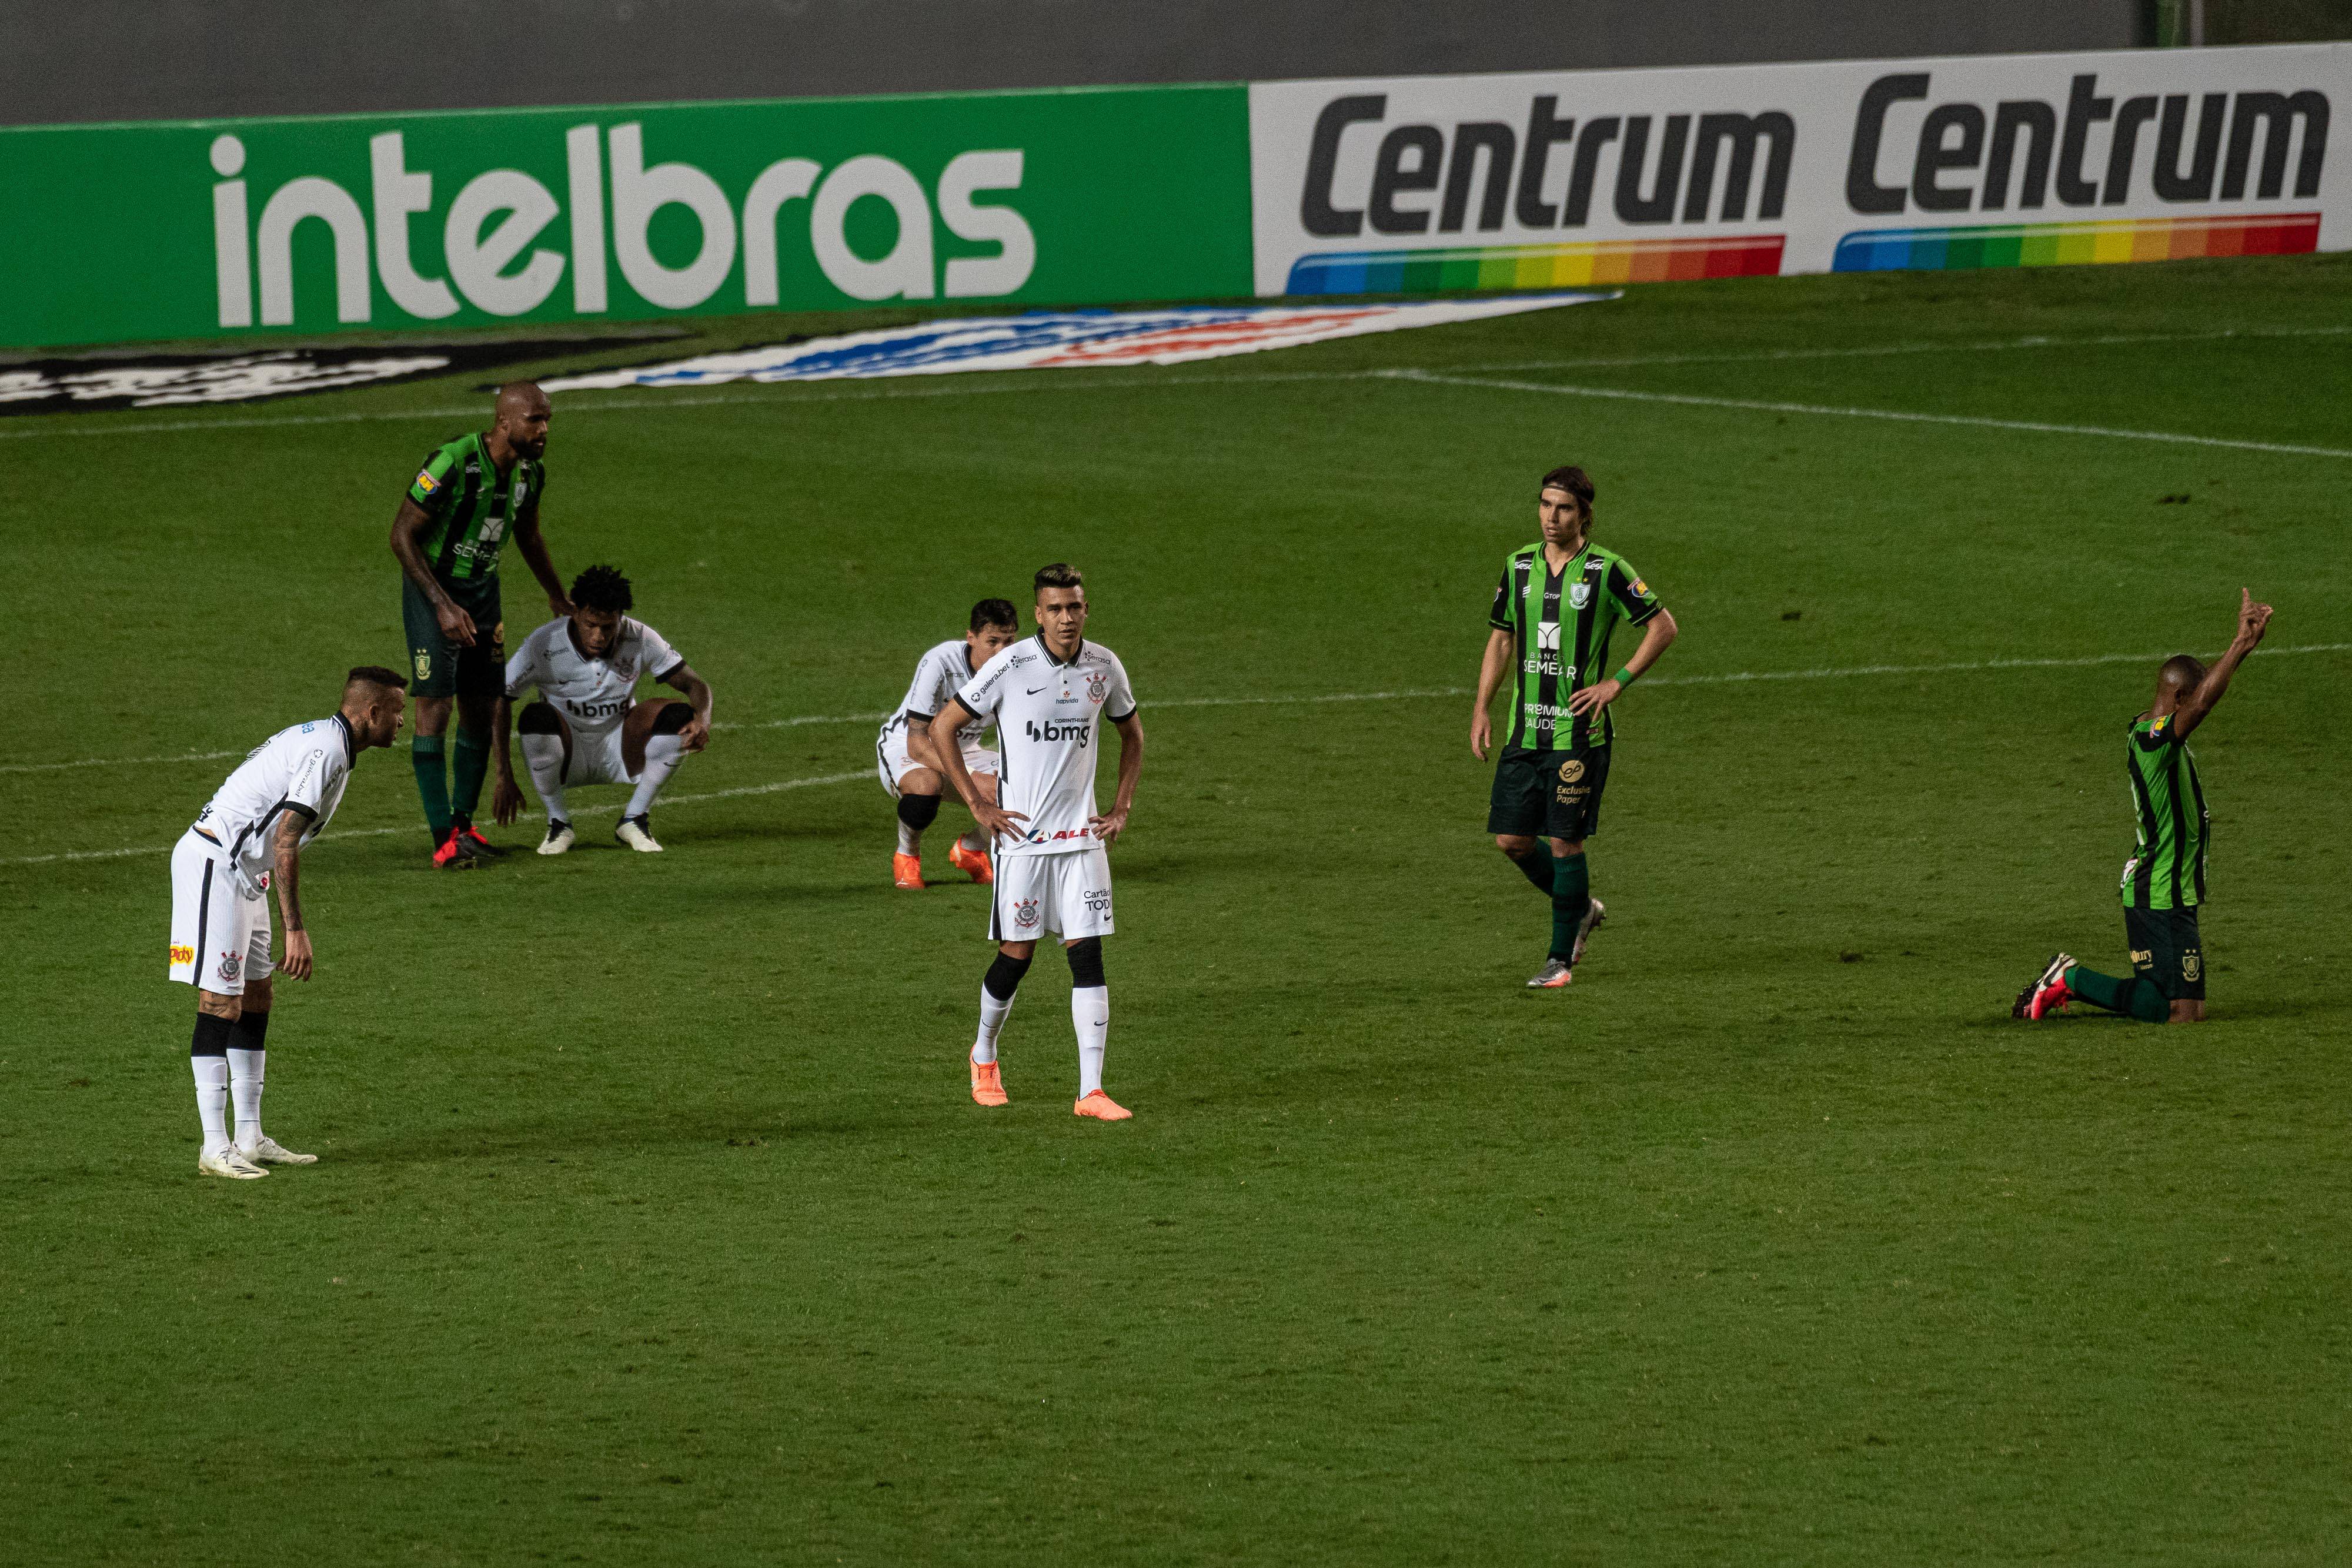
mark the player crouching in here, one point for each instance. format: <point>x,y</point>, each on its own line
<point>908,764</point>
<point>588,726</point>
<point>246,842</point>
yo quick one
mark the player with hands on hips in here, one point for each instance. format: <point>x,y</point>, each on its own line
<point>1049,695</point>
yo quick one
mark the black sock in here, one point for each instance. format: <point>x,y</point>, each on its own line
<point>211,1036</point>
<point>1536,866</point>
<point>1004,977</point>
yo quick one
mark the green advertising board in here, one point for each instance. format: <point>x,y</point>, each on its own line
<point>228,228</point>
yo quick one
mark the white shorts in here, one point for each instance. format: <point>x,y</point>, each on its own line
<point>596,760</point>
<point>1068,893</point>
<point>220,934</point>
<point>893,763</point>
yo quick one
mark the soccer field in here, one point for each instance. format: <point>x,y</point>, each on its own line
<point>654,1222</point>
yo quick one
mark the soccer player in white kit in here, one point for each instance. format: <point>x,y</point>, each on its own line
<point>588,726</point>
<point>902,751</point>
<point>1049,695</point>
<point>246,841</point>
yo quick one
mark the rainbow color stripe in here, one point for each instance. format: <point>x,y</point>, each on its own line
<point>2076,245</point>
<point>1536,266</point>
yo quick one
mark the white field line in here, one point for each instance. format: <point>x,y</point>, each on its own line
<point>116,762</point>
<point>1733,678</point>
<point>603,810</point>
<point>1436,377</point>
<point>784,394</point>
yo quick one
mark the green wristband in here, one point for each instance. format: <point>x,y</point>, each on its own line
<point>1625,675</point>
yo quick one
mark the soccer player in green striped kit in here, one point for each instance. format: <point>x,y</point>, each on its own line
<point>1560,602</point>
<point>470,496</point>
<point>2164,881</point>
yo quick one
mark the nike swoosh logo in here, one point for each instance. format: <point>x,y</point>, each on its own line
<point>1035,690</point>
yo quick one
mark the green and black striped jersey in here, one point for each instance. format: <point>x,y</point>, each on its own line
<point>1560,624</point>
<point>473,509</point>
<point>2168,871</point>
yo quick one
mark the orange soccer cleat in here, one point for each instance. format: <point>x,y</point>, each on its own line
<point>988,1083</point>
<point>906,871</point>
<point>973,864</point>
<point>1101,1107</point>
<point>452,855</point>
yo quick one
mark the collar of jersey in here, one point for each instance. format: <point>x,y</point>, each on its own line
<point>351,752</point>
<point>1057,664</point>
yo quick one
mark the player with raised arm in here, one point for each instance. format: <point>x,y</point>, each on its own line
<point>470,496</point>
<point>903,753</point>
<point>2164,880</point>
<point>1560,601</point>
<point>588,726</point>
<point>1049,694</point>
<point>246,841</point>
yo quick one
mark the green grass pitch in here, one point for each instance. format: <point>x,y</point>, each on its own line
<point>654,1225</point>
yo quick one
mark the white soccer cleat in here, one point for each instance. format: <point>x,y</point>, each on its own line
<point>230,1164</point>
<point>559,839</point>
<point>267,1151</point>
<point>1595,914</point>
<point>637,834</point>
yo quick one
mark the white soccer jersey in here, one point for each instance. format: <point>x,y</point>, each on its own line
<point>942,672</point>
<point>595,694</point>
<point>300,769</point>
<point>1048,717</point>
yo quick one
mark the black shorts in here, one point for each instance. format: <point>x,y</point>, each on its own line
<point>440,668</point>
<point>1548,794</point>
<point>2165,951</point>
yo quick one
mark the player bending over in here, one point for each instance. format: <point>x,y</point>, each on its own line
<point>471,494</point>
<point>2164,881</point>
<point>1560,601</point>
<point>587,726</point>
<point>246,840</point>
<point>908,766</point>
<point>1048,695</point>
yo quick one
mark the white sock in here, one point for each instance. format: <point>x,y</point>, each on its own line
<point>1090,1016</point>
<point>212,1099</point>
<point>973,844</point>
<point>543,755</point>
<point>245,1092</point>
<point>992,1023</point>
<point>910,839</point>
<point>662,754</point>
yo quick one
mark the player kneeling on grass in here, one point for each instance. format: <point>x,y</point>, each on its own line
<point>247,840</point>
<point>2164,881</point>
<point>588,726</point>
<point>1049,694</point>
<point>903,750</point>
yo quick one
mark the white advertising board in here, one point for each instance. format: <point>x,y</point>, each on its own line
<point>1569,179</point>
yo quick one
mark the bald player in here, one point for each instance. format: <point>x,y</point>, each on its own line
<point>2164,881</point>
<point>468,496</point>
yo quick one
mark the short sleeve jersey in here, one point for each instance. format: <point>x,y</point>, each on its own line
<point>301,770</point>
<point>595,694</point>
<point>1560,623</point>
<point>1048,717</point>
<point>2167,868</point>
<point>943,672</point>
<point>472,508</point>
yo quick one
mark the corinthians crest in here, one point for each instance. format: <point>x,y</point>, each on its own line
<point>1097,685</point>
<point>1024,912</point>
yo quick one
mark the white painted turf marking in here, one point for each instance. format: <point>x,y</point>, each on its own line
<point>788,394</point>
<point>1733,678</point>
<point>1436,377</point>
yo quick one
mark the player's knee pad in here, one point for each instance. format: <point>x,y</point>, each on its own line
<point>538,719</point>
<point>1086,962</point>
<point>918,812</point>
<point>1004,977</point>
<point>673,717</point>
